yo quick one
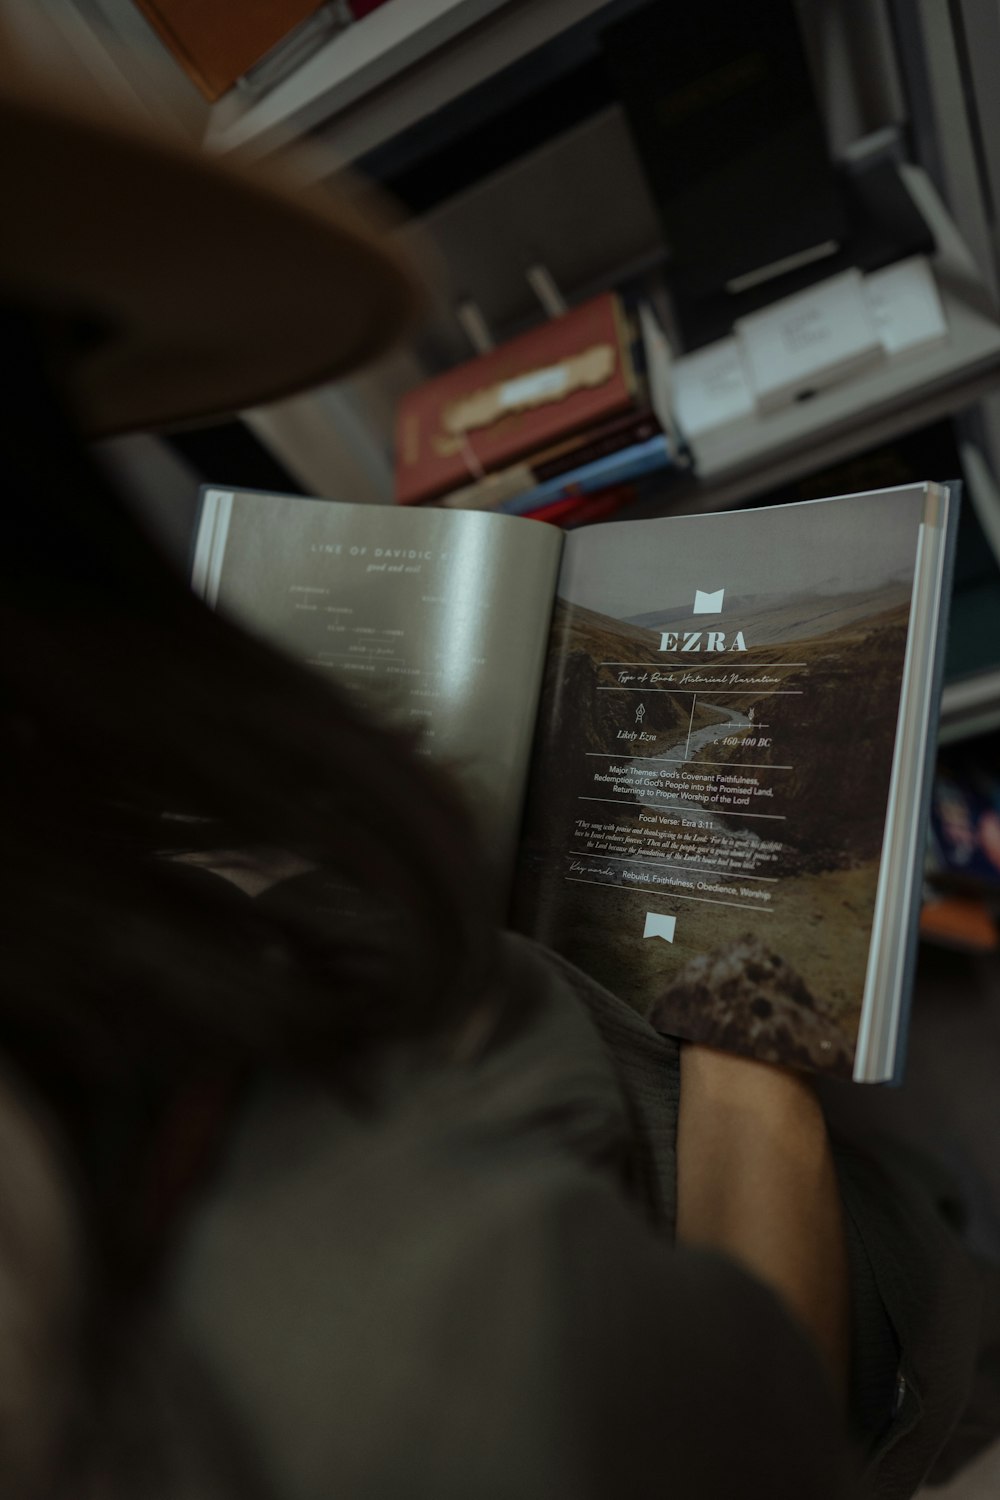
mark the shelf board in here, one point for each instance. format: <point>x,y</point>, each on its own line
<point>873,408</point>
<point>383,74</point>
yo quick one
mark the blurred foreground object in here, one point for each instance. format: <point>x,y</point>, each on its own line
<point>962,922</point>
<point>183,287</point>
<point>215,42</point>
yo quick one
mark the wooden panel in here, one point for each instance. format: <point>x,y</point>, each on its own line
<point>217,41</point>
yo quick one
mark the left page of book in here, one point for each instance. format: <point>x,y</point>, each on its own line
<point>437,620</point>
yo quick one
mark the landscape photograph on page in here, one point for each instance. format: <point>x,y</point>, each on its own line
<point>707,812</point>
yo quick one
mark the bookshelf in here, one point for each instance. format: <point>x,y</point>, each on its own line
<point>408,60</point>
<point>878,405</point>
<point>390,84</point>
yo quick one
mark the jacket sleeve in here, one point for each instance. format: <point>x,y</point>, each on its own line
<point>918,1322</point>
<point>516,1333</point>
<point>573,1355</point>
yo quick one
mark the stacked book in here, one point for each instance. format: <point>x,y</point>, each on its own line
<point>563,423</point>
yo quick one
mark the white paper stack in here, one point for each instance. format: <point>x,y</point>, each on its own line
<point>803,343</point>
<point>905,306</point>
<point>659,370</point>
<point>711,391</point>
<point>838,329</point>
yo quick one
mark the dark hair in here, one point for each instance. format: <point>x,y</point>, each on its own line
<point>135,721</point>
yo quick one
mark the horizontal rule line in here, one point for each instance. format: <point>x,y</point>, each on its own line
<point>716,812</point>
<point>756,666</point>
<point>674,895</point>
<point>672,760</point>
<point>735,693</point>
<point>630,859</point>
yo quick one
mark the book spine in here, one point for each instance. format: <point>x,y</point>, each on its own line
<point>599,507</point>
<point>506,484</point>
<point>491,412</point>
<point>619,435</point>
<point>616,468</point>
<point>911,937</point>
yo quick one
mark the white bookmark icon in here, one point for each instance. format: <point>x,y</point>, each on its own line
<point>708,604</point>
<point>658,925</point>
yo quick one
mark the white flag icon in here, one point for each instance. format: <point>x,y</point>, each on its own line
<point>708,604</point>
<point>657,925</point>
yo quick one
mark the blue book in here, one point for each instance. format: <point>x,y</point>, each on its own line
<point>616,468</point>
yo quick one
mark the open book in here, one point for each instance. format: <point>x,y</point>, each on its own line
<point>701,745</point>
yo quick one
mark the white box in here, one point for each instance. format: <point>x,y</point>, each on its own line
<point>711,388</point>
<point>905,306</point>
<point>659,370</point>
<point>810,340</point>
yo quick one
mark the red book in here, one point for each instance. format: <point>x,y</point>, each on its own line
<point>568,374</point>
<point>578,509</point>
<point>600,507</point>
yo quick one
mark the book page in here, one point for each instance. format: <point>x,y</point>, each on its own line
<point>705,822</point>
<point>436,620</point>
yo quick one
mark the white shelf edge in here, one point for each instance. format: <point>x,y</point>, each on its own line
<point>390,69</point>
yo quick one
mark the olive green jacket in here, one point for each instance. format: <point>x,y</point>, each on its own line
<point>471,1292</point>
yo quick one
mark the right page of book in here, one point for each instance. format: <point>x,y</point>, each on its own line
<point>706,817</point>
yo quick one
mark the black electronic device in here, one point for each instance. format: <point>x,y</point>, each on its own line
<point>723,115</point>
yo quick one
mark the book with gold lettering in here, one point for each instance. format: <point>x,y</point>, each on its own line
<point>700,746</point>
<point>568,375</point>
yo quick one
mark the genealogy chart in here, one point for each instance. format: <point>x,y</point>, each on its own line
<point>719,722</point>
<point>436,619</point>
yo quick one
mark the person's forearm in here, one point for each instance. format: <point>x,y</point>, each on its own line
<point>755,1179</point>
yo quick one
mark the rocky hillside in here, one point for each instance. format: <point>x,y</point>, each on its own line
<point>573,727</point>
<point>837,737</point>
<point>744,998</point>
